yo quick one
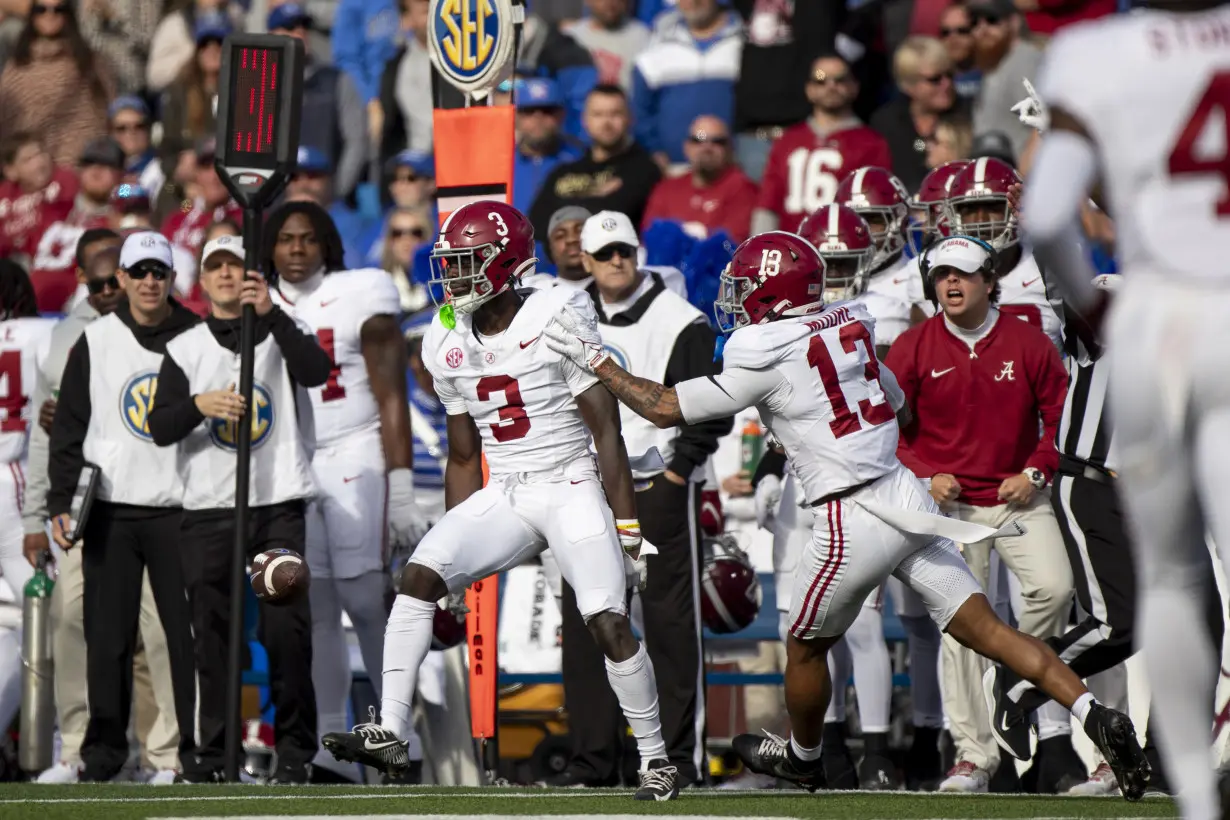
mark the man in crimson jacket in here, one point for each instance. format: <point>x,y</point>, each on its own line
<point>987,393</point>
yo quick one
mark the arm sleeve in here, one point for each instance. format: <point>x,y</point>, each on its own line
<point>712,397</point>
<point>692,356</point>
<point>68,430</point>
<point>174,415</point>
<point>449,396</point>
<point>34,506</point>
<point>308,364</point>
<point>1051,391</point>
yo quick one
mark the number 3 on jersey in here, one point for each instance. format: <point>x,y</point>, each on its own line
<point>515,422</point>
<point>846,421</point>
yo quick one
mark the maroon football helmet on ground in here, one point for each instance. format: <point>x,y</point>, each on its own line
<point>730,591</point>
<point>880,198</point>
<point>482,250</point>
<point>770,276</point>
<point>978,205</point>
<point>448,629</point>
<point>933,193</point>
<point>844,241</point>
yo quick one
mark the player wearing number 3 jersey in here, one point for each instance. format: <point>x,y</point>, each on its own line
<point>532,413</point>
<point>1141,101</point>
<point>812,373</point>
<point>362,446</point>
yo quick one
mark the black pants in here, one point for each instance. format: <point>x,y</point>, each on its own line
<point>285,631</point>
<point>670,520</point>
<point>120,545</point>
<point>1094,532</point>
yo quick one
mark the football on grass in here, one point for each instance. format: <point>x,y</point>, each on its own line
<point>279,576</point>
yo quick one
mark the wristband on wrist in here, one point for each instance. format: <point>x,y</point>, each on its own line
<point>629,530</point>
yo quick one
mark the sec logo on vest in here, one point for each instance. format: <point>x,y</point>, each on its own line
<point>136,400</point>
<point>225,434</point>
<point>471,42</point>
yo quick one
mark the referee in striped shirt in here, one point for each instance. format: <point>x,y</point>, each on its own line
<point>1086,505</point>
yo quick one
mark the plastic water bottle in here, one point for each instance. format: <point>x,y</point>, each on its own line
<point>38,708</point>
<point>752,446</point>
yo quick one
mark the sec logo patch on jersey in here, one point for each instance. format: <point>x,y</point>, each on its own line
<point>454,358</point>
<point>136,402</point>
<point>225,433</point>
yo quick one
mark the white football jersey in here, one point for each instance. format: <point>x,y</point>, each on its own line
<point>1152,90</point>
<point>335,312</point>
<point>1022,294</point>
<point>22,341</point>
<point>519,392</point>
<point>820,391</point>
<point>890,294</point>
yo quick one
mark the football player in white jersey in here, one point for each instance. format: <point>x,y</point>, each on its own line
<point>532,414</point>
<point>362,446</point>
<point>812,373</point>
<point>979,205</point>
<point>1137,103</point>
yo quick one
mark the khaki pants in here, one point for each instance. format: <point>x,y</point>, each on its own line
<point>764,707</point>
<point>151,679</point>
<point>1040,562</point>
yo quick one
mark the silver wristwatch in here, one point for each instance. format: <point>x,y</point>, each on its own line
<point>1035,477</point>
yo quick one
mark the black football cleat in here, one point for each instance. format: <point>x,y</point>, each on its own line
<point>1115,736</point>
<point>876,773</point>
<point>1009,723</point>
<point>372,745</point>
<point>659,782</point>
<point>771,755</point>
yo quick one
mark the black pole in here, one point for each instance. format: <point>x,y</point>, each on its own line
<point>239,555</point>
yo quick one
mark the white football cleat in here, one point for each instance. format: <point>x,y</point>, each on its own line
<point>1101,782</point>
<point>966,777</point>
<point>61,773</point>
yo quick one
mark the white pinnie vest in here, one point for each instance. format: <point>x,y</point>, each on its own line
<point>123,381</point>
<point>644,349</point>
<point>281,466</point>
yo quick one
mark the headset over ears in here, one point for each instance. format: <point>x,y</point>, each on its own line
<point>989,265</point>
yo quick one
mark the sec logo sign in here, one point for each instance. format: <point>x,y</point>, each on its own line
<point>136,401</point>
<point>225,434</point>
<point>471,41</point>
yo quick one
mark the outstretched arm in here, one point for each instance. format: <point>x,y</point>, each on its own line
<point>654,402</point>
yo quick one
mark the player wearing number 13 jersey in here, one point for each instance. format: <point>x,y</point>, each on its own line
<point>810,159</point>
<point>362,445</point>
<point>532,414</point>
<point>812,373</point>
<point>1140,104</point>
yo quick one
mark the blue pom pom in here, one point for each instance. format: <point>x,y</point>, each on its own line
<point>719,344</point>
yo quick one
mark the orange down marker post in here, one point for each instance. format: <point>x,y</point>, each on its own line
<point>474,150</point>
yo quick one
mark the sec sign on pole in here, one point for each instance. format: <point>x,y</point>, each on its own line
<point>473,42</point>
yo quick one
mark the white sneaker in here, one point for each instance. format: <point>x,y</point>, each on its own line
<point>162,777</point>
<point>1102,781</point>
<point>61,773</point>
<point>966,777</point>
<point>747,779</point>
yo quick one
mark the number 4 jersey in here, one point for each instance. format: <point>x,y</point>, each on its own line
<point>22,342</point>
<point>819,389</point>
<point>1153,90</point>
<point>335,311</point>
<point>520,393</point>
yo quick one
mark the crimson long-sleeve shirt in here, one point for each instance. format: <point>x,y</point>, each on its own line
<point>976,415</point>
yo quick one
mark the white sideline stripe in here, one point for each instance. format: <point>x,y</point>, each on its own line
<point>480,816</point>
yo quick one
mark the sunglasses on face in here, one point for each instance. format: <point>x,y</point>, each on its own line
<point>829,79</point>
<point>989,18</point>
<point>43,8</point>
<point>129,127</point>
<point>97,286</point>
<point>405,178</point>
<point>936,79</point>
<point>611,251</point>
<point>702,139</point>
<point>160,273</point>
<point>400,233</point>
<point>964,31</point>
<point>545,111</point>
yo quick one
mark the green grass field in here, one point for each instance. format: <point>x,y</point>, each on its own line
<point>121,802</point>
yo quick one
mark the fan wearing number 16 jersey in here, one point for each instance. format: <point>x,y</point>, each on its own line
<point>1140,104</point>
<point>812,373</point>
<point>362,447</point>
<point>533,415</point>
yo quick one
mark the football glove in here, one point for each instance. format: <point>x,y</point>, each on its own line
<point>637,570</point>
<point>575,339</point>
<point>407,523</point>
<point>1032,111</point>
<point>768,497</point>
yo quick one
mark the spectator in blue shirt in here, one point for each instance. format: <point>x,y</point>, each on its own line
<point>688,70</point>
<point>364,39</point>
<point>540,146</point>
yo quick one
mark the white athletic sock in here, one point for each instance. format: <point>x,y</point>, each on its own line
<point>923,638</point>
<point>839,674</point>
<point>634,686</point>
<point>1182,672</point>
<point>406,641</point>
<point>804,753</point>
<point>1054,720</point>
<point>1080,709</point>
<point>873,674</point>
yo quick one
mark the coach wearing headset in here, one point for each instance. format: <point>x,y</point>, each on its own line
<point>987,393</point>
<point>102,417</point>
